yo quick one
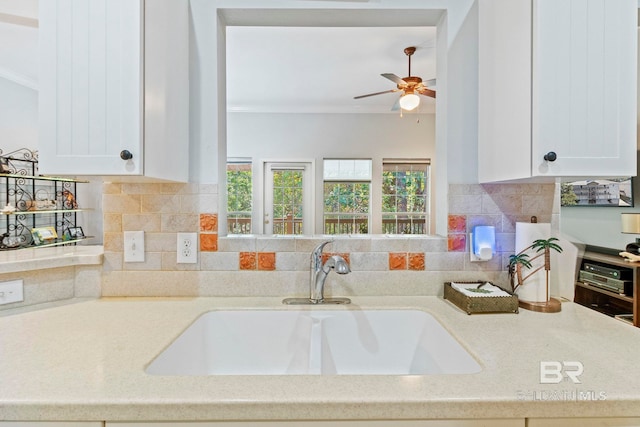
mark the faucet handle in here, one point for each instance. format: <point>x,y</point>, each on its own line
<point>318,250</point>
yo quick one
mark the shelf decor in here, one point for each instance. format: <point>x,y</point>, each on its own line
<point>520,261</point>
<point>38,209</point>
<point>43,235</point>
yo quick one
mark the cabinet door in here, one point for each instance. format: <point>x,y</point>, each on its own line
<point>556,76</point>
<point>504,90</point>
<point>90,98</point>
<point>584,87</point>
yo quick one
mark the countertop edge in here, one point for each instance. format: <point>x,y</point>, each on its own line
<point>38,258</point>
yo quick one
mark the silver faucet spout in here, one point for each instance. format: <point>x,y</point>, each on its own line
<point>320,271</point>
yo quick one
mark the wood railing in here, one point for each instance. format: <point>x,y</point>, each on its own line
<point>291,225</point>
<point>288,225</point>
<point>239,223</point>
<point>404,226</point>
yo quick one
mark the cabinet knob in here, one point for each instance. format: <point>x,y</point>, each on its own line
<point>126,155</point>
<point>550,156</point>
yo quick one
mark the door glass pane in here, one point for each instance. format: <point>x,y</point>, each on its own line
<point>287,201</point>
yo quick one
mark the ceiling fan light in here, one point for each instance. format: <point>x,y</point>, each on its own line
<point>409,101</point>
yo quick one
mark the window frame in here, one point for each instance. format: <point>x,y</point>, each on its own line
<point>428,201</point>
<point>244,161</point>
<point>265,209</point>
<point>348,179</point>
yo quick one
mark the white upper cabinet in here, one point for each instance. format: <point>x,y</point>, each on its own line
<point>557,76</point>
<point>114,88</point>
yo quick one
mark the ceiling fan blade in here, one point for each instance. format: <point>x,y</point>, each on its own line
<point>394,78</point>
<point>427,92</point>
<point>374,94</point>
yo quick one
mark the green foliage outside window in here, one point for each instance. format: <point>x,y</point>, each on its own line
<point>287,194</point>
<point>240,189</point>
<point>346,197</point>
<point>404,191</point>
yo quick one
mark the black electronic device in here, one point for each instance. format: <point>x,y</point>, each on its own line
<point>622,287</point>
<point>633,248</point>
<point>615,273</point>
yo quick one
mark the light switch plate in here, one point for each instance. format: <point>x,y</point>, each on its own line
<point>134,246</point>
<point>11,292</point>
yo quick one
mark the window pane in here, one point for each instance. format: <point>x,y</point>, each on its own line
<point>347,169</point>
<point>346,207</point>
<point>287,201</point>
<point>239,197</point>
<point>404,193</point>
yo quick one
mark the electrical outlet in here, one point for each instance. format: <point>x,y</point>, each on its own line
<point>134,246</point>
<point>11,292</point>
<point>187,248</point>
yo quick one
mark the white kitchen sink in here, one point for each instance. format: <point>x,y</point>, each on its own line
<point>314,342</point>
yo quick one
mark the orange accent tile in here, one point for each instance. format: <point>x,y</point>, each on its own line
<point>247,260</point>
<point>327,255</point>
<point>208,242</point>
<point>208,222</point>
<point>457,223</point>
<point>457,242</point>
<point>397,260</point>
<point>416,261</point>
<point>266,261</point>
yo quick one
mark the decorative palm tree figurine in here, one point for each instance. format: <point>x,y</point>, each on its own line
<point>543,247</point>
<point>516,262</point>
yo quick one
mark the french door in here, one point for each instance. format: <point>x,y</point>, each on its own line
<point>288,201</point>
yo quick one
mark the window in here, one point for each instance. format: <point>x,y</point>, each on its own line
<point>239,200</point>
<point>287,196</point>
<point>395,202</point>
<point>405,198</point>
<point>347,196</point>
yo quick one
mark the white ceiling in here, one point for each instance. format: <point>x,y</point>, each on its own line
<point>321,69</point>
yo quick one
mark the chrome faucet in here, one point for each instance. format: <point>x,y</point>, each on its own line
<point>319,273</point>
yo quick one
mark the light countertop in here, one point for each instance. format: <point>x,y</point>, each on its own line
<point>86,361</point>
<point>35,258</point>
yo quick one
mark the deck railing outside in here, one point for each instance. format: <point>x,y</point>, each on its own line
<point>240,223</point>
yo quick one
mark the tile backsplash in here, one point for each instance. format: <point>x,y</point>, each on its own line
<point>279,266</point>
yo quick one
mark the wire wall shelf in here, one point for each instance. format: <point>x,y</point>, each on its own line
<point>36,210</point>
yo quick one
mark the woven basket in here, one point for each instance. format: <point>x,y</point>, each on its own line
<point>501,304</point>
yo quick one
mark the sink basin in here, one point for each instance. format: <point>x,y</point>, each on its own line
<point>314,342</point>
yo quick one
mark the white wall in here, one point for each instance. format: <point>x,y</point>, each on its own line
<point>270,135</point>
<point>26,8</point>
<point>18,116</point>
<point>18,102</point>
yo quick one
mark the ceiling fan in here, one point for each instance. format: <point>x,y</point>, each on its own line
<point>411,86</point>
